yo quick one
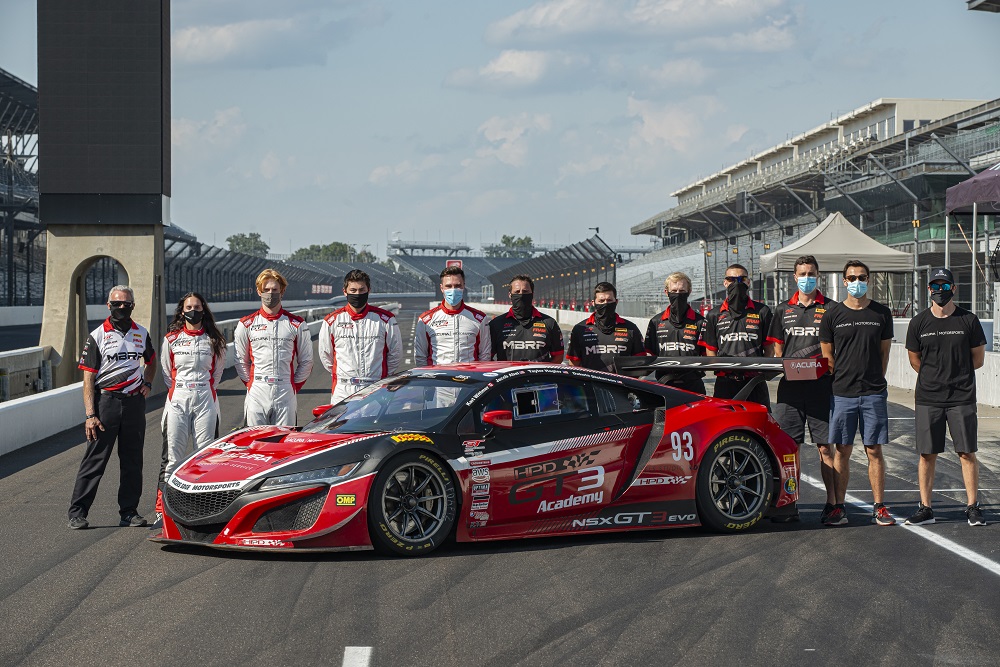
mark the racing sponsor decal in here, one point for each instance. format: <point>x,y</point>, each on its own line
<point>534,489</point>
<point>571,501</point>
<point>481,506</point>
<point>263,542</point>
<point>412,437</point>
<point>462,378</point>
<point>477,524</point>
<point>640,514</point>
<point>480,489</point>
<point>791,486</point>
<point>474,447</point>
<point>667,480</point>
<point>192,487</point>
<point>788,458</point>
<point>480,474</point>
<point>568,463</point>
<point>346,500</point>
<point>479,516</point>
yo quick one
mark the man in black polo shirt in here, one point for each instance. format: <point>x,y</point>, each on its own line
<point>737,328</point>
<point>525,334</point>
<point>946,344</point>
<point>675,333</point>
<point>856,337</point>
<point>595,342</point>
<point>794,334</point>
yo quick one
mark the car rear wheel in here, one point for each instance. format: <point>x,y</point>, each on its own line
<point>411,508</point>
<point>734,484</point>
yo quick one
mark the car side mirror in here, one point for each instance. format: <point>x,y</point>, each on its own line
<point>320,409</point>
<point>499,418</point>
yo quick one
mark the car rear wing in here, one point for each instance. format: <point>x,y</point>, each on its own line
<point>762,369</point>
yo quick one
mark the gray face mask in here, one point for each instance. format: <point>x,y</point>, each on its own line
<point>270,299</point>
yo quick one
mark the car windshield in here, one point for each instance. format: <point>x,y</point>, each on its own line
<point>399,404</point>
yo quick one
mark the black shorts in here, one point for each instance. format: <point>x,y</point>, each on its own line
<point>805,402</point>
<point>962,424</point>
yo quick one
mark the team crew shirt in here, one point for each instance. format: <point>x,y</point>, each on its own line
<point>796,327</point>
<point>451,336</point>
<point>513,341</point>
<point>114,356</point>
<point>857,336</point>
<point>731,335</point>
<point>592,348</point>
<point>665,338</point>
<point>359,348</point>
<point>946,377</point>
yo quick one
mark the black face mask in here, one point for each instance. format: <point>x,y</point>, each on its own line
<point>194,316</point>
<point>521,305</point>
<point>358,301</point>
<point>604,315</point>
<point>121,316</point>
<point>942,297</point>
<point>678,305</point>
<point>737,295</point>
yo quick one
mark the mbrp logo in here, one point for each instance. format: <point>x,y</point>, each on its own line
<point>677,347</point>
<point>523,345</point>
<point>122,356</point>
<point>736,336</point>
<point>802,331</point>
<point>605,349</point>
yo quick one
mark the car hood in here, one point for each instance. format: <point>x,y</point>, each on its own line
<point>253,453</point>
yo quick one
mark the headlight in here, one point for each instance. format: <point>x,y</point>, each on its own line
<point>322,476</point>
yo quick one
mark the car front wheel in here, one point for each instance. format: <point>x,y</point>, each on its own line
<point>734,484</point>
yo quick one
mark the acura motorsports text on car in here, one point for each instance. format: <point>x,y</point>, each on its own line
<point>487,451</point>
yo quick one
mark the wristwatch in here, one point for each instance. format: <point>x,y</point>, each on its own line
<point>149,385</point>
<point>91,416</point>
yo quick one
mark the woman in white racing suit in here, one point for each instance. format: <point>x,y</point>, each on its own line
<point>193,357</point>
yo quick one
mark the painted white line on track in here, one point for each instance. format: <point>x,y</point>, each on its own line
<point>357,656</point>
<point>920,531</point>
<point>918,491</point>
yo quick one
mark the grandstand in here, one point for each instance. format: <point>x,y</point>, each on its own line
<point>385,280</point>
<point>640,283</point>
<point>477,269</point>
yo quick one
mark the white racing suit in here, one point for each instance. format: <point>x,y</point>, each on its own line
<point>359,349</point>
<point>446,336</point>
<point>191,371</point>
<point>274,359</point>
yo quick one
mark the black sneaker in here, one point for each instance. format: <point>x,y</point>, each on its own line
<point>836,517</point>
<point>826,513</point>
<point>975,515</point>
<point>881,515</point>
<point>132,520</point>
<point>923,516</point>
<point>78,522</point>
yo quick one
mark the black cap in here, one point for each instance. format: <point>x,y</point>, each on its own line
<point>941,274</point>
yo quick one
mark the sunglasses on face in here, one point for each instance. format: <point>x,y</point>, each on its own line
<point>940,286</point>
<point>735,279</point>
<point>120,304</point>
<point>863,278</point>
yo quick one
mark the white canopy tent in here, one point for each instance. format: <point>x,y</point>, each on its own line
<point>833,243</point>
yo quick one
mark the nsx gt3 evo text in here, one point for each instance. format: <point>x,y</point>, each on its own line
<point>486,451</point>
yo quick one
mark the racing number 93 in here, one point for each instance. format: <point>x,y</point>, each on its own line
<point>683,445</point>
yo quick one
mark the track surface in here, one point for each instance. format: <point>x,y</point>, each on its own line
<point>782,593</point>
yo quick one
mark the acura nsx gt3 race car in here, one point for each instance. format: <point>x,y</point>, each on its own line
<point>487,451</point>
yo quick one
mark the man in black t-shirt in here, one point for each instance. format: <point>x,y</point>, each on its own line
<point>595,342</point>
<point>946,344</point>
<point>675,333</point>
<point>524,333</point>
<point>856,337</point>
<point>794,334</point>
<point>737,328</point>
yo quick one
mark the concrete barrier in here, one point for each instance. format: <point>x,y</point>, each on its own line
<point>25,372</point>
<point>29,419</point>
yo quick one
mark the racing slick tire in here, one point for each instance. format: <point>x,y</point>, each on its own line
<point>735,484</point>
<point>412,505</point>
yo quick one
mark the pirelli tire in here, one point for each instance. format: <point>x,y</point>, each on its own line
<point>412,505</point>
<point>735,484</point>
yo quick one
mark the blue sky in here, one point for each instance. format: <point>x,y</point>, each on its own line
<point>313,121</point>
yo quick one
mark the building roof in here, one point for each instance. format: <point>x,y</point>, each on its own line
<point>18,105</point>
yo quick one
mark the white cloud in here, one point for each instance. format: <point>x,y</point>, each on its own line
<point>224,129</point>
<point>735,132</point>
<point>685,71</point>
<point>583,167</point>
<point>489,201</point>
<point>779,36</point>
<point>678,126</point>
<point>406,171</point>
<point>507,140</point>
<point>552,20</point>
<point>514,69</point>
<point>270,166</point>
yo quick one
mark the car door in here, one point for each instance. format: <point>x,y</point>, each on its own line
<point>560,457</point>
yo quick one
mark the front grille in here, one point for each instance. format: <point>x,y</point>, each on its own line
<point>296,515</point>
<point>204,534</point>
<point>198,506</point>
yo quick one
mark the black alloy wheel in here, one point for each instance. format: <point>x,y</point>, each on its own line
<point>735,484</point>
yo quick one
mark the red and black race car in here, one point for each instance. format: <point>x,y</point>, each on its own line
<point>489,451</point>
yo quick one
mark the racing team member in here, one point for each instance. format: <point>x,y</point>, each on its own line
<point>737,328</point>
<point>193,357</point>
<point>946,344</point>
<point>856,338</point>
<point>451,332</point>
<point>273,355</point>
<point>595,342</point>
<point>524,333</point>
<point>675,333</point>
<point>359,344</point>
<point>794,334</point>
<point>115,386</point>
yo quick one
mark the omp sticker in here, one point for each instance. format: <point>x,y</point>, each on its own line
<point>346,500</point>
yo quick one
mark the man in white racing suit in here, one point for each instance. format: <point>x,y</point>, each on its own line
<point>273,355</point>
<point>451,332</point>
<point>359,344</point>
